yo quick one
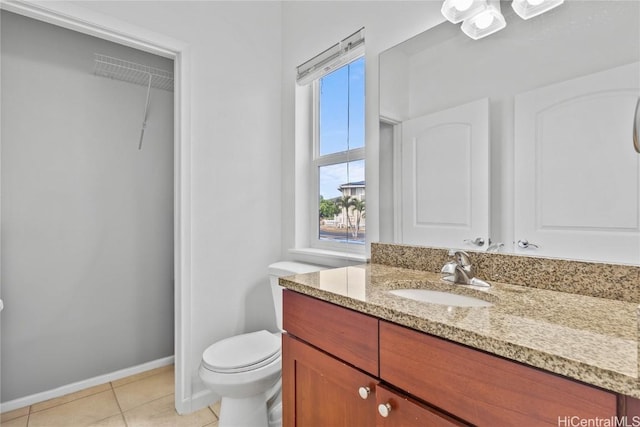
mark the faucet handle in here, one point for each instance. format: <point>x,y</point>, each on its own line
<point>449,268</point>
<point>450,272</point>
<point>478,241</point>
<point>462,258</point>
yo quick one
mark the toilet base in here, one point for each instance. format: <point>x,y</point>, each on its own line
<point>244,412</point>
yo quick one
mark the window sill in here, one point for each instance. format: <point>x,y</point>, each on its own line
<point>327,257</point>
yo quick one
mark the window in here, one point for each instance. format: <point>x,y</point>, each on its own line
<point>339,155</point>
<point>330,149</point>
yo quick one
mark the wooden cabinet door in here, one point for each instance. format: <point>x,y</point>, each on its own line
<point>402,411</point>
<point>319,390</point>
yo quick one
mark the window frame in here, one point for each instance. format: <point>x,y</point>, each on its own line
<point>316,161</point>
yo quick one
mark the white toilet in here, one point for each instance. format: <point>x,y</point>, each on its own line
<point>246,369</point>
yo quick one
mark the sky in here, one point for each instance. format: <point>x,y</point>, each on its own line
<point>341,125</point>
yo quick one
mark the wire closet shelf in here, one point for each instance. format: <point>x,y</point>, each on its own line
<point>143,75</point>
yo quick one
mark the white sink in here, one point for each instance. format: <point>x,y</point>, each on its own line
<point>438,297</point>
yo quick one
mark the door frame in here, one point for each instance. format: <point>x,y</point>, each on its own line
<point>396,147</point>
<point>86,21</point>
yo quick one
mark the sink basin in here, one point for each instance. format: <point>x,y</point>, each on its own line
<point>438,297</point>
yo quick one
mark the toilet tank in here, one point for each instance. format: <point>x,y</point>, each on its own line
<point>281,269</point>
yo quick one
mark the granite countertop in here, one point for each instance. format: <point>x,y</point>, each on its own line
<point>594,340</point>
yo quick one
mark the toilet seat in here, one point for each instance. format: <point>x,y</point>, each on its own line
<point>242,353</point>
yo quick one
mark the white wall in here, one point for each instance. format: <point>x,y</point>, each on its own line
<point>242,60</point>
<point>308,28</point>
<point>235,61</point>
<point>87,219</point>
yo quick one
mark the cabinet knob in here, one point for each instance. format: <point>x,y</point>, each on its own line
<point>384,409</point>
<point>364,392</point>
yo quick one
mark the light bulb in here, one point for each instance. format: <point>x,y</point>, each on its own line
<point>483,20</point>
<point>535,2</point>
<point>462,5</point>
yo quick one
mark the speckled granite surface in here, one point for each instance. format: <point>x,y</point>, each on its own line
<point>590,339</point>
<point>612,281</point>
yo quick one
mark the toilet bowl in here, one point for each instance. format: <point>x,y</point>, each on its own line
<point>245,370</point>
<point>242,369</point>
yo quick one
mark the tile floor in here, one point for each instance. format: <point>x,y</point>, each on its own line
<point>145,399</point>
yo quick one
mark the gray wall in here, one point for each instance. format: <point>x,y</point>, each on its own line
<point>87,219</point>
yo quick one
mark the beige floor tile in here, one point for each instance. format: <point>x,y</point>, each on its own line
<point>115,421</point>
<point>70,397</point>
<point>80,412</point>
<point>216,408</point>
<point>145,390</point>
<point>16,422</point>
<point>161,412</point>
<point>141,375</point>
<point>17,413</point>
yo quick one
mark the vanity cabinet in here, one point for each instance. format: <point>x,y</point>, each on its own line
<point>332,354</point>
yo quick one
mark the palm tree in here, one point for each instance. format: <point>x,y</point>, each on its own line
<point>358,208</point>
<point>345,202</point>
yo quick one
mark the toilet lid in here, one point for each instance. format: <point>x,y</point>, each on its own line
<point>242,352</point>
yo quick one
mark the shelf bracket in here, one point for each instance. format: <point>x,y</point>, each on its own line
<point>146,111</point>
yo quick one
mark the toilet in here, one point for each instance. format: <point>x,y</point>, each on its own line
<point>246,369</point>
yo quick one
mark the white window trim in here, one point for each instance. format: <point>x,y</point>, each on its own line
<point>307,161</point>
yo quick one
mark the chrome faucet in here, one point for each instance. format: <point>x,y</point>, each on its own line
<point>461,271</point>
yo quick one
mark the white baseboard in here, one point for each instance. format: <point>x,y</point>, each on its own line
<point>81,385</point>
<point>199,400</point>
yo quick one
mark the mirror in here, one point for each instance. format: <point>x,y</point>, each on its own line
<point>553,98</point>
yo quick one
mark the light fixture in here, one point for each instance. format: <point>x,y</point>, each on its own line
<point>487,21</point>
<point>483,17</point>
<point>459,10</point>
<point>529,8</point>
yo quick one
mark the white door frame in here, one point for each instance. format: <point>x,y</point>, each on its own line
<point>396,123</point>
<point>77,18</point>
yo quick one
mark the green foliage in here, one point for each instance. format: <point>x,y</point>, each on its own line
<point>328,208</point>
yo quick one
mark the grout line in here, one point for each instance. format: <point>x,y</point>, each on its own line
<point>117,401</point>
<point>113,390</point>
<point>146,403</point>
<point>31,411</point>
<point>213,412</point>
